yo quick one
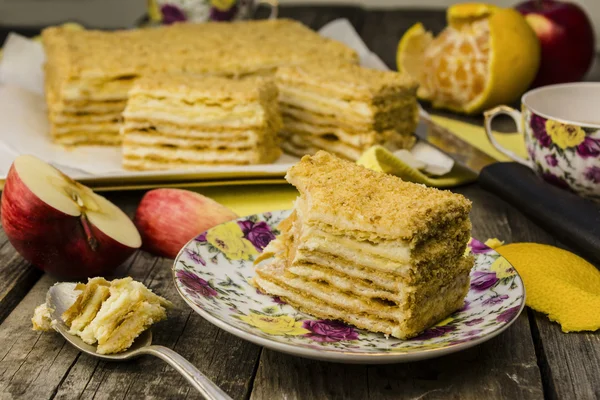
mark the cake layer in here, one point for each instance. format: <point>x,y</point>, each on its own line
<point>342,277</point>
<point>360,139</point>
<point>216,142</point>
<point>349,82</point>
<point>84,138</point>
<point>299,142</point>
<point>324,310</point>
<point>87,107</point>
<point>402,120</point>
<point>383,253</point>
<point>82,118</point>
<point>137,321</point>
<point>204,103</point>
<point>89,128</point>
<point>180,88</point>
<point>145,164</point>
<point>327,294</point>
<point>306,100</point>
<point>210,117</point>
<point>174,131</point>
<point>349,110</point>
<point>297,150</point>
<point>447,242</point>
<point>302,143</point>
<point>362,287</point>
<point>385,207</point>
<point>264,155</point>
<point>385,280</point>
<point>322,302</point>
<point>80,64</point>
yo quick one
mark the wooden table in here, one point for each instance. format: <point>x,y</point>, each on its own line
<point>533,359</point>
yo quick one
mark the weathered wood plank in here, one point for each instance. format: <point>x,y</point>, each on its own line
<point>569,362</point>
<point>16,276</point>
<point>504,368</point>
<point>30,359</point>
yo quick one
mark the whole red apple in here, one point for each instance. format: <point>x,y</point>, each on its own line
<point>567,39</point>
<point>61,226</point>
<point>169,218</point>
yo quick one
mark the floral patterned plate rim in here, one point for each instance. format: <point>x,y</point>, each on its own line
<point>212,274</point>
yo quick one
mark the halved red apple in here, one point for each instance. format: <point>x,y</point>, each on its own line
<point>61,226</point>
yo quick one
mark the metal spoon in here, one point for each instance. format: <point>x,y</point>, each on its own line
<point>62,295</point>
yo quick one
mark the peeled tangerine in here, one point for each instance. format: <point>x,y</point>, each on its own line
<point>486,56</point>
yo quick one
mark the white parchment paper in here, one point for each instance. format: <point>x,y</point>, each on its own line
<point>24,124</point>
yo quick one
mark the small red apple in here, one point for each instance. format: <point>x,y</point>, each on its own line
<point>169,218</point>
<point>567,39</point>
<point>61,226</point>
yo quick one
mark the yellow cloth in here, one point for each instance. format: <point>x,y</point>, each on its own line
<point>557,283</point>
<point>379,159</point>
<point>475,135</point>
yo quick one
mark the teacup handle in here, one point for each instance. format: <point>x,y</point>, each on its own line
<point>273,6</point>
<point>489,116</point>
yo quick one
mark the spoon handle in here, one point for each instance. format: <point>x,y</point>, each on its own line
<point>205,386</point>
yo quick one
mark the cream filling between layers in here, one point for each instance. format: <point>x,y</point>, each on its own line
<point>323,104</point>
<point>348,302</point>
<point>320,309</point>
<point>332,146</point>
<point>193,156</point>
<point>144,139</point>
<point>91,129</point>
<point>85,139</point>
<point>313,238</point>
<point>137,164</point>
<point>82,118</point>
<point>108,90</point>
<point>386,280</point>
<point>356,139</point>
<point>242,116</point>
<point>166,130</point>
<point>346,283</point>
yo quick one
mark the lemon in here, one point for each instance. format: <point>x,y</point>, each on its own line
<point>486,56</point>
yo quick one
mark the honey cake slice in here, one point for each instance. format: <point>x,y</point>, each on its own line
<point>346,108</point>
<point>112,314</point>
<point>369,249</point>
<point>196,120</point>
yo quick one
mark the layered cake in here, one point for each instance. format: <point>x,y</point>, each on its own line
<point>345,109</point>
<point>89,73</point>
<point>183,121</point>
<point>369,249</point>
<point>112,314</point>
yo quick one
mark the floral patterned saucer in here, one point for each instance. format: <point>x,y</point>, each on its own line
<point>212,274</point>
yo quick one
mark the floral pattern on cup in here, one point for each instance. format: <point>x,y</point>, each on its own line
<point>172,11</point>
<point>567,156</point>
<point>221,288</point>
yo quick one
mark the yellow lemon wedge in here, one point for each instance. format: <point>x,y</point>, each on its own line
<point>486,56</point>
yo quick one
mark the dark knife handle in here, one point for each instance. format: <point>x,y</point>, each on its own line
<point>571,219</point>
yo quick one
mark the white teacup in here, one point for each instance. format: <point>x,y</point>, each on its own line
<point>561,124</point>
